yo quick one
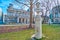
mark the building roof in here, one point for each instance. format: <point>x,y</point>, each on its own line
<point>13,10</point>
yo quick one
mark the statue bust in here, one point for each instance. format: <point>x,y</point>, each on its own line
<point>38,8</point>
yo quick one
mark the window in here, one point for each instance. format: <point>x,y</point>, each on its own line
<point>56,15</point>
<point>59,14</point>
<point>56,20</point>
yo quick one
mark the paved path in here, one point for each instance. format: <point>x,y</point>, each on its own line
<point>12,28</point>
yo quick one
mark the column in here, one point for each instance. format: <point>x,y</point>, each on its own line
<point>28,20</point>
<point>24,21</point>
<point>18,20</point>
<point>4,19</point>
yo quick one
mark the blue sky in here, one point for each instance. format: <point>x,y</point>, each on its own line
<point>4,4</point>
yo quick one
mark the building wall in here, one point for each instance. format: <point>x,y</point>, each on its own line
<point>55,15</point>
<point>17,16</point>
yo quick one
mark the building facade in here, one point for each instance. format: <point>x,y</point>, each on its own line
<point>55,14</point>
<point>17,16</point>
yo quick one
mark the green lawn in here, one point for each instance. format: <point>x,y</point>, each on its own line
<point>52,32</point>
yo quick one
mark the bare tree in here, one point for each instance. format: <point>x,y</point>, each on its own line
<point>29,3</point>
<point>48,5</point>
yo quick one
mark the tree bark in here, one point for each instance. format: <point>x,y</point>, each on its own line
<point>31,11</point>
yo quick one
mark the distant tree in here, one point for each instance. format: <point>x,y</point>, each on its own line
<point>47,5</point>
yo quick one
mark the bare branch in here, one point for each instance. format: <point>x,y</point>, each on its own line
<point>21,3</point>
<point>57,2</point>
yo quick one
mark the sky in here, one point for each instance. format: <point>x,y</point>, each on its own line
<point>4,4</point>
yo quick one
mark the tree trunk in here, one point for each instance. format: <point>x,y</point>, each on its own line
<point>31,11</point>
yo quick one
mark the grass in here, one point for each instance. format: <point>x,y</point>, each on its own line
<point>52,32</point>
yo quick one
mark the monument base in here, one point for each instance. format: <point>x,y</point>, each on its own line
<point>33,38</point>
